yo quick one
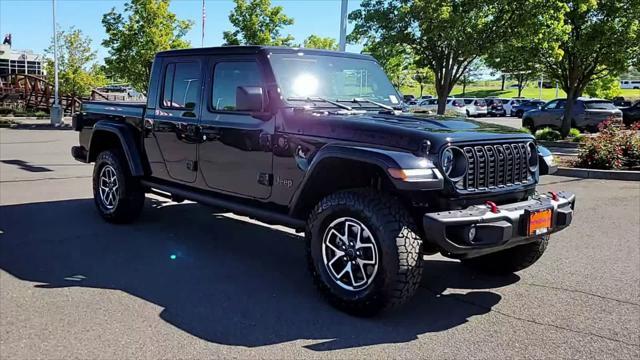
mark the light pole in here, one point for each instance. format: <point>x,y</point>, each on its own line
<point>343,25</point>
<point>55,111</point>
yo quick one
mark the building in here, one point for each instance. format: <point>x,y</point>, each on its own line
<point>16,61</point>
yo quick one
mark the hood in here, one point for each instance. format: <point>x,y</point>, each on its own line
<point>405,130</point>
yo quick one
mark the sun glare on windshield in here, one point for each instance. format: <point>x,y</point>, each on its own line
<point>305,85</point>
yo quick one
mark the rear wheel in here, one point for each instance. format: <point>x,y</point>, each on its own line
<point>363,251</point>
<point>528,124</point>
<point>510,260</point>
<point>519,113</point>
<point>118,196</point>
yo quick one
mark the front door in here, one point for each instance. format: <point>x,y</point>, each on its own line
<point>175,123</point>
<point>235,151</point>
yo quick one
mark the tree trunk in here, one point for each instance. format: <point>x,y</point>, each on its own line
<point>504,78</point>
<point>442,104</point>
<point>421,89</point>
<point>568,112</point>
<point>520,83</point>
<point>464,88</point>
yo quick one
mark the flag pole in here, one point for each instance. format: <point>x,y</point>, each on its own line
<point>55,112</point>
<point>343,25</point>
<point>204,17</point>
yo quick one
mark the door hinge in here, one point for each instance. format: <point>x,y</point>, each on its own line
<point>192,165</point>
<point>265,179</point>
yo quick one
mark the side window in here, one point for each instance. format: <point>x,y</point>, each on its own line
<point>182,84</point>
<point>552,105</point>
<point>227,76</point>
<point>560,104</point>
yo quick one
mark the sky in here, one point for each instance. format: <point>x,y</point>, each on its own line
<point>31,26</point>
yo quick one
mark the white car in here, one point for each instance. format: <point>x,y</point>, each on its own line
<point>509,104</point>
<point>457,105</point>
<point>427,105</point>
<point>475,107</point>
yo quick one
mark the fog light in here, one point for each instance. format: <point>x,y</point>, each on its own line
<point>472,233</point>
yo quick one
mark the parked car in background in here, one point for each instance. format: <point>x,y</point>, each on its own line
<point>509,104</point>
<point>631,114</point>
<point>546,84</point>
<point>408,98</point>
<point>495,107</point>
<point>525,106</point>
<point>587,114</point>
<point>457,105</point>
<point>424,97</point>
<point>629,84</point>
<point>427,105</point>
<point>475,107</point>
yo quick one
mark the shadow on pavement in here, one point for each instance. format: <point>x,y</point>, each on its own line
<point>223,280</point>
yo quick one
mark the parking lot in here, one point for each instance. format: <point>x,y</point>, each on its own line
<point>187,281</point>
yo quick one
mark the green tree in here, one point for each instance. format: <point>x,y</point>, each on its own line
<point>471,74</point>
<point>319,42</point>
<point>606,87</point>
<point>135,36</point>
<point>396,60</point>
<point>446,35</point>
<point>77,71</point>
<point>602,38</point>
<point>256,22</point>
<point>424,77</point>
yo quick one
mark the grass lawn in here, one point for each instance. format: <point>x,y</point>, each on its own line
<point>492,88</point>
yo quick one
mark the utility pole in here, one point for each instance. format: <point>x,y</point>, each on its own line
<point>343,25</point>
<point>55,111</point>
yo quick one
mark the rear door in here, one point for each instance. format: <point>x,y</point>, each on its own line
<point>174,123</point>
<point>235,152</point>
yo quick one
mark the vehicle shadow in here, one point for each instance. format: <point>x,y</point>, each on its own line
<point>223,280</point>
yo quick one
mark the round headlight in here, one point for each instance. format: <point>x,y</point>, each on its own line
<point>532,154</point>
<point>454,163</point>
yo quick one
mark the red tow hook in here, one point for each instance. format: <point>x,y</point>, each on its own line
<point>554,195</point>
<point>492,206</point>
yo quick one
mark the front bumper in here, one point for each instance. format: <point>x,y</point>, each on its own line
<point>494,231</point>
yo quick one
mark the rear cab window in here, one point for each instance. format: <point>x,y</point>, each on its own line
<point>181,86</point>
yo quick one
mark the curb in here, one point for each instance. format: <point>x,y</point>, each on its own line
<point>625,175</point>
<point>571,145</point>
<point>38,126</point>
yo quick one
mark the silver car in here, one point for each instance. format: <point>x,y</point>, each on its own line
<point>587,114</point>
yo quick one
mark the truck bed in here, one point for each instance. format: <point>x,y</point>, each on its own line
<point>117,108</point>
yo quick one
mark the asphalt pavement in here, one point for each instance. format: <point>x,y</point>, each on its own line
<point>186,281</point>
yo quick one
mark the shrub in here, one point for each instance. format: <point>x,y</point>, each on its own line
<point>612,148</point>
<point>41,114</point>
<point>574,132</point>
<point>548,134</point>
<point>5,111</point>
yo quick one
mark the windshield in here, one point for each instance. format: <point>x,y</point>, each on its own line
<point>599,105</point>
<point>333,78</point>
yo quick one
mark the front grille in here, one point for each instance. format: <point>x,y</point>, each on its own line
<point>495,166</point>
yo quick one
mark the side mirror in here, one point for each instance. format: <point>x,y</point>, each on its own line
<point>249,98</point>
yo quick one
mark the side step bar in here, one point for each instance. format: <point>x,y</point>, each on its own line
<point>267,216</point>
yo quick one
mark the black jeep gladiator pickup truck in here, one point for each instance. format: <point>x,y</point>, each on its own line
<point>319,141</point>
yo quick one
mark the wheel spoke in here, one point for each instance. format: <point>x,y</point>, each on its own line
<point>342,246</point>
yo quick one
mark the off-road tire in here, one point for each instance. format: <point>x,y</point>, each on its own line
<point>509,260</point>
<point>399,261</point>
<point>130,197</point>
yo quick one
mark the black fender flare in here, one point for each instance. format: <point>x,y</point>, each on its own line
<point>382,158</point>
<point>128,143</point>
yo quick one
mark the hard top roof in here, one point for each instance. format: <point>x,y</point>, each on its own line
<point>254,49</point>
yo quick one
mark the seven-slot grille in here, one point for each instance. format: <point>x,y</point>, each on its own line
<point>498,165</point>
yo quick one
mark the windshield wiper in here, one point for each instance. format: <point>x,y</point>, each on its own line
<point>316,98</point>
<point>360,100</point>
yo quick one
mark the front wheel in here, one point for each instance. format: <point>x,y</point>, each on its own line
<point>118,196</point>
<point>510,260</point>
<point>363,251</point>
